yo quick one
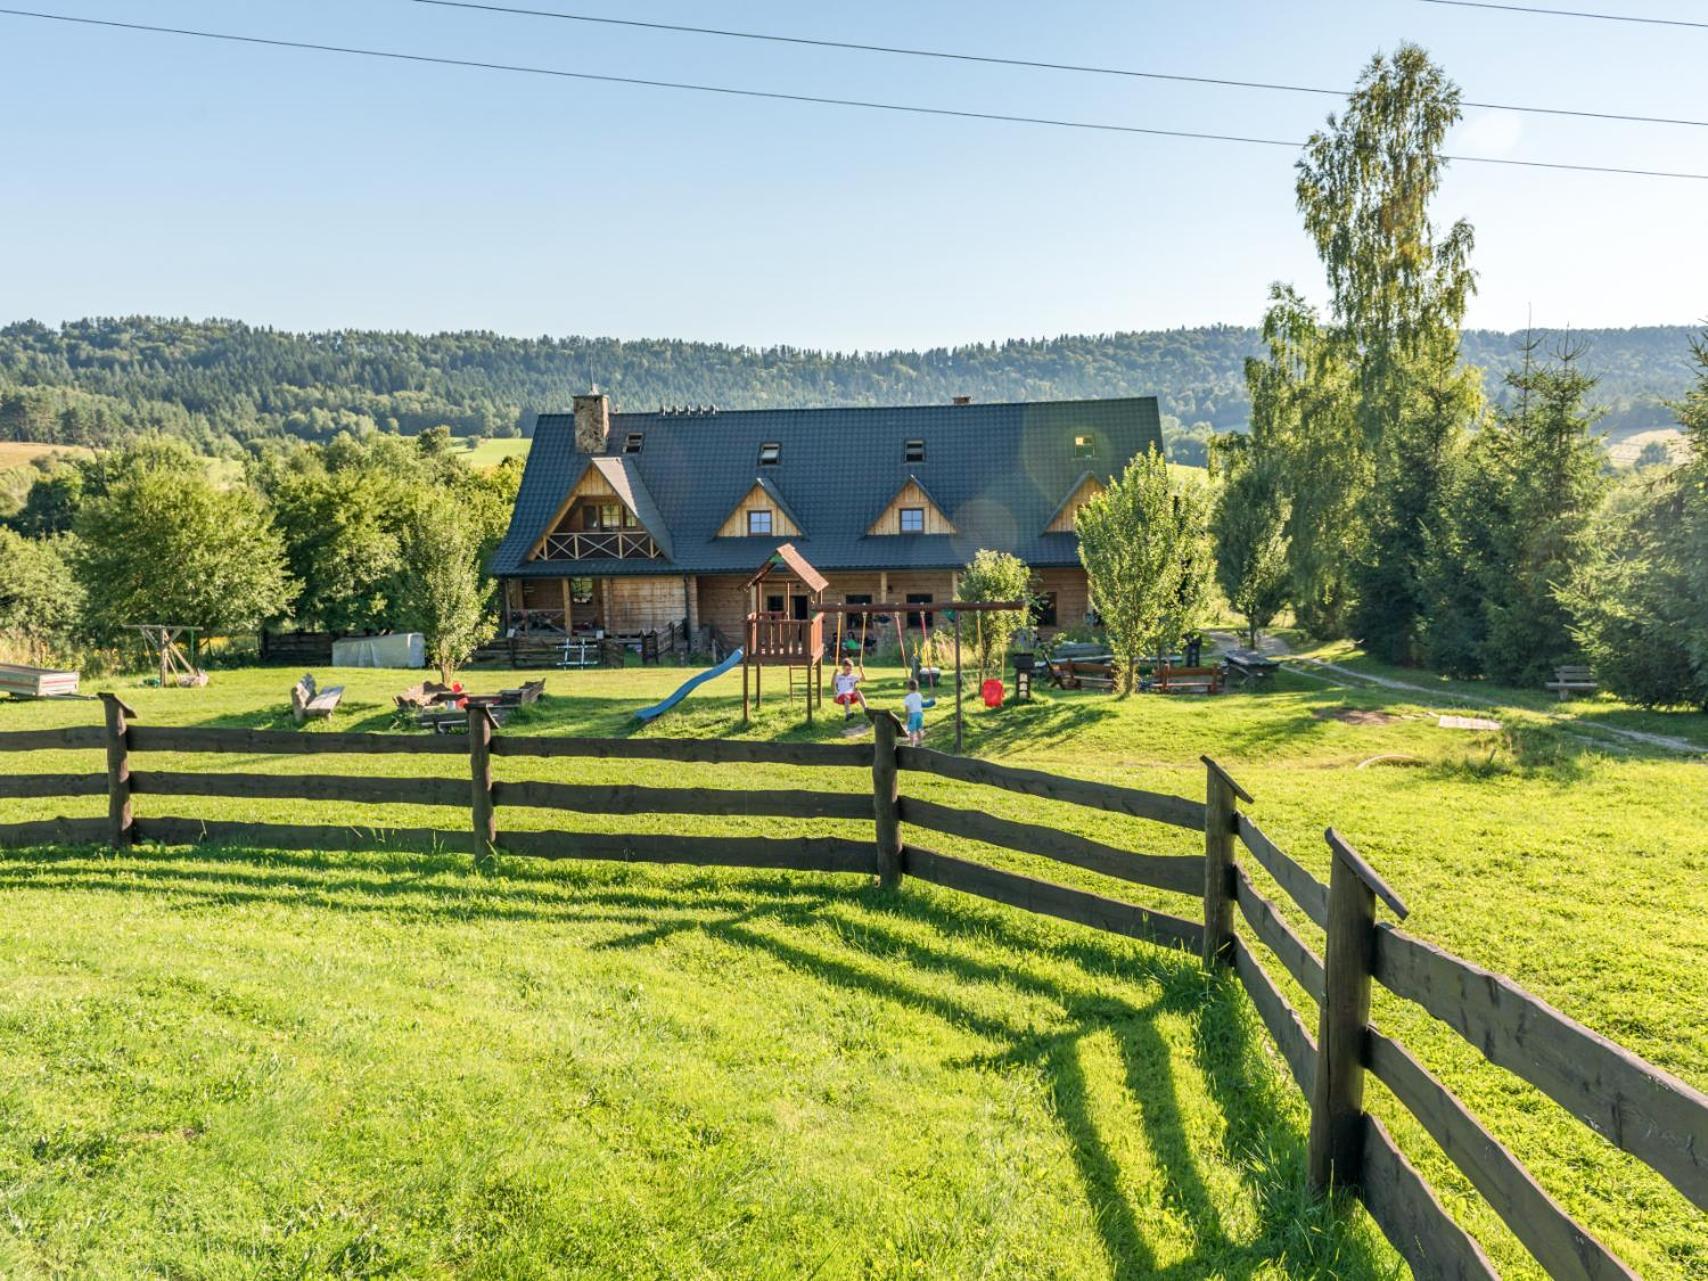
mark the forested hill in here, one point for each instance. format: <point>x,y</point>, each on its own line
<point>216,382</point>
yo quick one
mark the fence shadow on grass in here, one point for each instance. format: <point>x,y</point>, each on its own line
<point>849,935</point>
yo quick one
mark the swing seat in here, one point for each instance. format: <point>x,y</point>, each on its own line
<point>846,700</point>
<point>992,692</point>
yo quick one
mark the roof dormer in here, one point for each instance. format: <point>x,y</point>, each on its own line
<point>1084,490</point>
<point>911,511</point>
<point>761,513</point>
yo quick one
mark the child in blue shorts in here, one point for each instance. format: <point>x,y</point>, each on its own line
<point>915,704</point>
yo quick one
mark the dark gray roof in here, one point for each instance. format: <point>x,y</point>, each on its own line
<point>1000,473</point>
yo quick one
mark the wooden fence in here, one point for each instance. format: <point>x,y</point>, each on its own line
<point>1639,1108</point>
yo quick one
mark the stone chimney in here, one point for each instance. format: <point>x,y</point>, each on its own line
<point>592,423</point>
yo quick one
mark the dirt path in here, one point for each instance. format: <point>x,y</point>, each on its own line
<point>1275,647</point>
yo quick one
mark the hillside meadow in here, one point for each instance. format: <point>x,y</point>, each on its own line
<point>221,1062</point>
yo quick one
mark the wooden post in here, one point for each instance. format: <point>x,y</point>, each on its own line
<point>957,682</point>
<point>886,797</point>
<point>119,827</point>
<point>480,775</point>
<point>1337,1099</point>
<point>1220,793</point>
<point>746,662</point>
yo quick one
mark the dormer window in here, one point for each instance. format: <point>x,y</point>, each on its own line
<point>759,521</point>
<point>633,444</point>
<point>913,520</point>
<point>913,451</point>
<point>1084,446</point>
<point>770,454</point>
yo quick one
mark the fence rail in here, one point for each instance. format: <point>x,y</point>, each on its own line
<point>1637,1107</point>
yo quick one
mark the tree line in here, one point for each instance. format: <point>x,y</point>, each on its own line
<point>363,534</point>
<point>1382,494</point>
<point>222,385</point>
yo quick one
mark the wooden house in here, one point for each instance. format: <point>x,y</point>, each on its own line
<point>628,523</point>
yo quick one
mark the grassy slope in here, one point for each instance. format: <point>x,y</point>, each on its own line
<point>1523,850</point>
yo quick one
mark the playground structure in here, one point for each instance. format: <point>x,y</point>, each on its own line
<point>176,667</point>
<point>792,639</point>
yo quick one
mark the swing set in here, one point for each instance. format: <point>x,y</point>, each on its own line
<point>926,611</point>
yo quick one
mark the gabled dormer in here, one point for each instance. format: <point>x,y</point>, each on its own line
<point>761,513</point>
<point>607,515</point>
<point>911,511</point>
<point>1084,490</point>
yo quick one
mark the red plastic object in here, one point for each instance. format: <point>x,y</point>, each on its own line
<point>993,692</point>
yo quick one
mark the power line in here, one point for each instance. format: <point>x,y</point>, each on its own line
<point>993,60</point>
<point>775,96</point>
<point>1571,13</point>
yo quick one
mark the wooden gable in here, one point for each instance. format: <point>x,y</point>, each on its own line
<point>1084,492</point>
<point>591,485</point>
<point>911,494</point>
<point>756,499</point>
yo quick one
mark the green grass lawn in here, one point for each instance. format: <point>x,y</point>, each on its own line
<point>223,1063</point>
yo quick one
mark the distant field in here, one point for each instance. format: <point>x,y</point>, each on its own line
<point>16,453</point>
<point>494,450</point>
<point>229,1063</point>
<point>1624,451</point>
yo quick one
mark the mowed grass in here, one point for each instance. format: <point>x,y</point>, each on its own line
<point>492,450</point>
<point>19,453</point>
<point>393,1064</point>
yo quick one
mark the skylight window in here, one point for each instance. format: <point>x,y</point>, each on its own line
<point>914,451</point>
<point>633,444</point>
<point>770,454</point>
<point>1084,446</point>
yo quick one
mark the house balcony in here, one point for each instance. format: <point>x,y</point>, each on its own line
<point>612,544</point>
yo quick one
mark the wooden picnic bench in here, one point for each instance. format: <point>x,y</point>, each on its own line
<point>455,720</point>
<point>1187,680</point>
<point>1571,680</point>
<point>308,702</point>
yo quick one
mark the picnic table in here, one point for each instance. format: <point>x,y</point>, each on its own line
<point>1250,666</point>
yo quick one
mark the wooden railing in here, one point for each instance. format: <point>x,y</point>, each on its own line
<point>614,544</point>
<point>1635,1106</point>
<point>776,638</point>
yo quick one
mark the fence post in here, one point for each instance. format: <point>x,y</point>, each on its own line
<point>1337,1097</point>
<point>1220,792</point>
<point>119,827</point>
<point>886,798</point>
<point>480,775</point>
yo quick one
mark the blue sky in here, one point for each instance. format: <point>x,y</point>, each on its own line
<point>143,173</point>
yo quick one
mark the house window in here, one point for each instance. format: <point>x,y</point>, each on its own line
<point>1044,610</point>
<point>759,521</point>
<point>1084,446</point>
<point>774,604</point>
<point>581,590</point>
<point>770,454</point>
<point>633,444</point>
<point>917,598</point>
<point>913,520</point>
<point>913,451</point>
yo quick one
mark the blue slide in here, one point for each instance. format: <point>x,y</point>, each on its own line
<point>688,687</point>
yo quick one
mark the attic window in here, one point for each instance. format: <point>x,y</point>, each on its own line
<point>1084,446</point>
<point>770,454</point>
<point>913,451</point>
<point>913,520</point>
<point>759,521</point>
<point>633,444</point>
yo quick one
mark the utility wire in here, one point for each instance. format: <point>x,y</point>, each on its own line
<point>772,95</point>
<point>992,60</point>
<point>1571,13</point>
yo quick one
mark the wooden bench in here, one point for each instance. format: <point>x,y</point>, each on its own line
<point>308,702</point>
<point>1188,680</point>
<point>455,720</point>
<point>1572,680</point>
